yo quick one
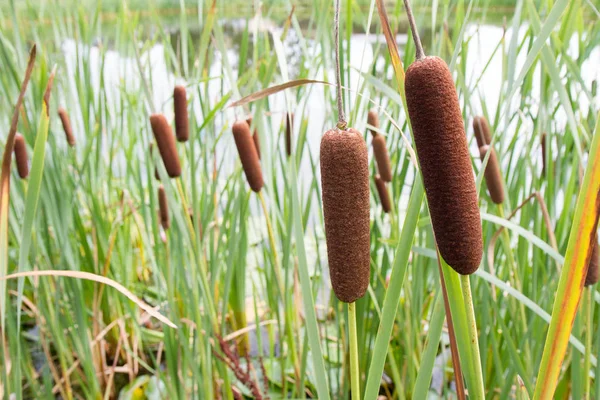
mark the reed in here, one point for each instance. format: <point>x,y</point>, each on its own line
<point>165,141</point>
<point>248,155</point>
<point>543,150</point>
<point>163,208</point>
<point>66,123</point>
<point>21,158</point>
<point>182,130</point>
<point>492,174</point>
<point>384,194</point>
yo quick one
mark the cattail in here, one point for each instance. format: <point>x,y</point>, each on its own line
<point>443,154</point>
<point>483,135</point>
<point>181,114</point>
<point>165,141</point>
<point>156,175</point>
<point>255,138</point>
<point>345,185</point>
<point>373,120</point>
<point>592,272</point>
<point>20,150</point>
<point>248,154</point>
<point>66,123</point>
<point>384,195</point>
<point>289,127</point>
<point>493,177</point>
<point>382,157</point>
<point>543,145</point>
<point>163,208</point>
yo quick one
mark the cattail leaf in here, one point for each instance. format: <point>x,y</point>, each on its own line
<point>32,200</point>
<point>572,277</point>
<point>261,94</point>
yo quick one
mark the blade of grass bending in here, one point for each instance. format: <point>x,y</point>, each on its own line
<point>465,330</point>
<point>392,295</point>
<point>5,188</point>
<point>32,200</point>
<point>570,285</point>
<point>307,297</point>
<point>433,342</point>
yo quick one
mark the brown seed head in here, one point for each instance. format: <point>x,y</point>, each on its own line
<point>592,273</point>
<point>181,114</point>
<point>163,208</point>
<point>384,194</point>
<point>442,150</point>
<point>346,196</point>
<point>248,155</point>
<point>382,157</point>
<point>373,120</point>
<point>492,174</point>
<point>483,135</point>
<point>543,145</point>
<point>21,156</point>
<point>66,123</point>
<point>289,127</point>
<point>255,137</point>
<point>165,141</point>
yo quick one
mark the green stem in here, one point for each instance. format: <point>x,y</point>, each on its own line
<point>465,284</point>
<point>354,370</point>
<point>587,362</point>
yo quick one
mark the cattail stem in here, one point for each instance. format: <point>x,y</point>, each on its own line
<point>587,360</point>
<point>476,392</point>
<point>278,276</point>
<point>338,77</point>
<point>354,370</point>
<point>413,27</point>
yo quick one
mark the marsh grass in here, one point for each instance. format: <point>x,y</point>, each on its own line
<point>94,210</point>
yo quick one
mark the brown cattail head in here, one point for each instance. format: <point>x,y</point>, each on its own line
<point>543,145</point>
<point>248,155</point>
<point>492,174</point>
<point>255,137</point>
<point>181,114</point>
<point>445,163</point>
<point>165,141</point>
<point>373,120</point>
<point>483,135</point>
<point>592,272</point>
<point>382,157</point>
<point>289,128</point>
<point>384,195</point>
<point>346,196</point>
<point>163,208</point>
<point>66,123</point>
<point>21,156</point>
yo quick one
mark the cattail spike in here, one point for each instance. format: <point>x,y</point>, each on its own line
<point>66,123</point>
<point>482,131</point>
<point>255,137</point>
<point>592,273</point>
<point>165,141</point>
<point>543,145</point>
<point>289,127</point>
<point>181,114</point>
<point>384,194</point>
<point>163,208</point>
<point>492,174</point>
<point>21,158</point>
<point>373,120</point>
<point>443,154</point>
<point>248,155</point>
<point>346,197</point>
<point>382,157</point>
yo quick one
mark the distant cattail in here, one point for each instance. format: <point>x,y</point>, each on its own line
<point>483,135</point>
<point>66,123</point>
<point>592,272</point>
<point>543,146</point>
<point>382,157</point>
<point>181,114</point>
<point>163,208</point>
<point>165,141</point>
<point>255,138</point>
<point>492,174</point>
<point>21,156</point>
<point>289,128</point>
<point>443,154</point>
<point>156,175</point>
<point>384,195</point>
<point>248,154</point>
<point>346,196</point>
<point>373,120</point>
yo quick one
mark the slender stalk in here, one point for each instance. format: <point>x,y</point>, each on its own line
<point>415,32</point>
<point>587,360</point>
<point>465,284</point>
<point>338,78</point>
<point>354,370</point>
